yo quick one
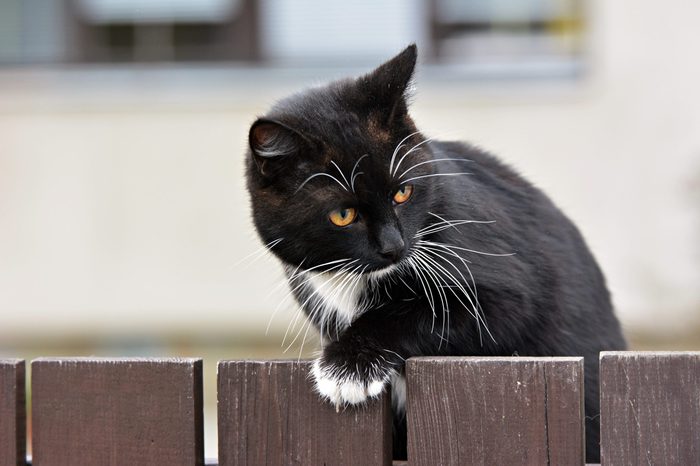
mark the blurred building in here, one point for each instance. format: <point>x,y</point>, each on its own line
<point>123,126</point>
<point>497,37</point>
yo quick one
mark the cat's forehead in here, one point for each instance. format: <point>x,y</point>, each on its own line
<point>350,136</point>
<point>368,176</point>
<point>335,114</point>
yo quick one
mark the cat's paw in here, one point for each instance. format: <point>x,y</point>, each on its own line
<point>344,387</point>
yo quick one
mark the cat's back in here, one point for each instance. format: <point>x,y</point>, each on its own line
<point>485,168</point>
<point>550,253</point>
<point>497,188</point>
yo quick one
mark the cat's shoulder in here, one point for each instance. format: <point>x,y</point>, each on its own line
<point>486,165</point>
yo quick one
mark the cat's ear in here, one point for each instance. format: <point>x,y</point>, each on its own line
<point>386,86</point>
<point>272,144</point>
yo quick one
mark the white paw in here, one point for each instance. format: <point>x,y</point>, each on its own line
<point>344,390</point>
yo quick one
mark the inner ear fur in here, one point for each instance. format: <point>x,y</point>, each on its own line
<point>272,145</point>
<point>386,86</point>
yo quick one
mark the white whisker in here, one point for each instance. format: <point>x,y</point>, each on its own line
<point>308,298</point>
<point>396,150</point>
<point>444,225</point>
<point>343,265</point>
<point>438,282</point>
<point>423,283</point>
<point>352,173</point>
<point>320,174</point>
<point>278,286</point>
<point>320,303</point>
<point>341,173</point>
<point>434,174</point>
<point>433,161</point>
<point>474,307</point>
<point>427,246</point>
<point>259,252</point>
<point>410,151</point>
<point>352,181</point>
<point>294,288</point>
<point>481,252</point>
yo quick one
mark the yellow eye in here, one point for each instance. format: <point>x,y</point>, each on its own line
<point>403,194</point>
<point>343,217</point>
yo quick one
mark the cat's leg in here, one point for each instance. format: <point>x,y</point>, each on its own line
<point>362,361</point>
<point>345,375</point>
<point>343,387</point>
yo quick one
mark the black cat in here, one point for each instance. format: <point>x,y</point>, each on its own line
<point>397,246</point>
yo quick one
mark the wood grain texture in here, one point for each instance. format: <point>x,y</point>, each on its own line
<point>650,408</point>
<point>117,412</point>
<point>495,411</point>
<point>269,415</point>
<point>12,413</point>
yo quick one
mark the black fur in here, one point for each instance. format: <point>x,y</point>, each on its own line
<point>548,298</point>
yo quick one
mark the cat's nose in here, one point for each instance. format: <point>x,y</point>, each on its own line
<point>391,245</point>
<point>393,254</point>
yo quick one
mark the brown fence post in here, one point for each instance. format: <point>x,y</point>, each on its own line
<point>270,415</point>
<point>650,408</point>
<point>117,412</point>
<point>12,413</point>
<point>477,410</point>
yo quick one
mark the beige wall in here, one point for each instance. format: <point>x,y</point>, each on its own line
<point>122,206</point>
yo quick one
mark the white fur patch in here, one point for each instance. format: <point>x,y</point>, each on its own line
<point>339,293</point>
<point>377,275</point>
<point>344,390</point>
<point>375,388</point>
<point>398,392</point>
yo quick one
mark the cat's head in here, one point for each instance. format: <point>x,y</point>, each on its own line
<point>336,172</point>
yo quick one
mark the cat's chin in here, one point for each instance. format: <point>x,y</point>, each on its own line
<point>383,272</point>
<point>377,273</point>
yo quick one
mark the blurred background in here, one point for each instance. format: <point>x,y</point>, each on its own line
<point>124,221</point>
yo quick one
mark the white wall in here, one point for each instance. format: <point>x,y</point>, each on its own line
<point>122,206</point>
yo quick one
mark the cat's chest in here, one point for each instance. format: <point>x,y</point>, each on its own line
<point>335,296</point>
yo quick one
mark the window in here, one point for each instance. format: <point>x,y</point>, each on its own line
<point>473,38</point>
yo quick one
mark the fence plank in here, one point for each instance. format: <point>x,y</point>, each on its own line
<point>476,410</point>
<point>117,412</point>
<point>649,408</point>
<point>12,413</point>
<point>270,415</point>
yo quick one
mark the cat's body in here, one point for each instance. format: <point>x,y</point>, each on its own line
<point>448,252</point>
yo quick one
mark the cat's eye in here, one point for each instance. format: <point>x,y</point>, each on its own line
<point>343,217</point>
<point>403,194</point>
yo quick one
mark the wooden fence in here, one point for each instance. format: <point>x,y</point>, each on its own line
<point>461,411</point>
